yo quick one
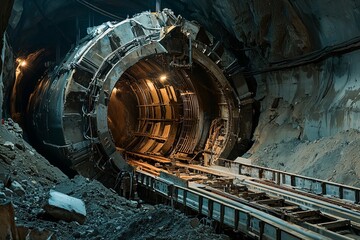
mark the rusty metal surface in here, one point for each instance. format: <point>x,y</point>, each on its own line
<point>78,114</point>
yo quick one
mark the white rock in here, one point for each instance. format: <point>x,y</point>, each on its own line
<point>10,121</point>
<point>64,207</point>
<point>10,145</point>
<point>17,128</point>
<point>17,188</point>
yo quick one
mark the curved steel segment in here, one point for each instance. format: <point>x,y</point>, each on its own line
<point>192,113</point>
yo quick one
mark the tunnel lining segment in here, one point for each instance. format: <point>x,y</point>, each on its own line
<point>107,85</point>
<point>110,54</point>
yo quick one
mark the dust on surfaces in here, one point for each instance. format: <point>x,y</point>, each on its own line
<point>334,158</point>
<point>109,216</point>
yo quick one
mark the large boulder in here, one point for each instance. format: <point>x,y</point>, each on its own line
<point>63,207</point>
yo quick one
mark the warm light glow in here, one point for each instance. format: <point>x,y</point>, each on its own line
<point>23,63</point>
<point>163,78</point>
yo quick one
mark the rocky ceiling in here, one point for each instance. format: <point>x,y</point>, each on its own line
<point>277,29</point>
<point>302,54</point>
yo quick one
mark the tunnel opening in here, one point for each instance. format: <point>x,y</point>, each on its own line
<point>154,109</point>
<point>167,113</point>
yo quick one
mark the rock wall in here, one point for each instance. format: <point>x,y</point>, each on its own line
<point>316,100</point>
<point>309,102</point>
<point>302,103</point>
<point>271,27</point>
<point>5,12</point>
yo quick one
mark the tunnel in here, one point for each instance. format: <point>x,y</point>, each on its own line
<point>286,70</point>
<point>156,87</point>
<point>244,115</point>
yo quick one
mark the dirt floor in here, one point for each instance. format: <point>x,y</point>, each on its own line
<point>334,158</point>
<point>109,216</point>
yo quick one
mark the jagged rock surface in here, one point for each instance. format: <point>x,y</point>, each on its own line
<point>109,216</point>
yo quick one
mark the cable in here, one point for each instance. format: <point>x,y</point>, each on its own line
<point>312,57</point>
<point>99,10</point>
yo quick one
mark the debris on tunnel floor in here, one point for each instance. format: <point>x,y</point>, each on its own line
<point>334,158</point>
<point>158,106</point>
<point>108,216</point>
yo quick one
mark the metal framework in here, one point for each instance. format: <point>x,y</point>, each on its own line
<point>254,205</point>
<point>176,120</point>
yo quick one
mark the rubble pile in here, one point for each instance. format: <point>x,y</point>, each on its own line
<point>13,127</point>
<point>334,158</point>
<point>38,201</point>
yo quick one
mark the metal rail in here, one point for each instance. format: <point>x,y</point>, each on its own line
<point>308,184</point>
<point>342,209</point>
<point>256,209</point>
<point>249,221</point>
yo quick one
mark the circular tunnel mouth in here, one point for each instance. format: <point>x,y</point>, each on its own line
<point>162,113</point>
<point>162,90</point>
